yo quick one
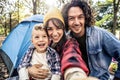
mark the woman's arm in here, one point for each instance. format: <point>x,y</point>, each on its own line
<point>72,57</point>
<point>37,72</point>
<point>74,73</point>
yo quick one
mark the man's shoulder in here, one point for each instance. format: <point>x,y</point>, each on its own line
<point>96,29</point>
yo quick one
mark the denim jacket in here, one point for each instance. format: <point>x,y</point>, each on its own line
<point>101,47</point>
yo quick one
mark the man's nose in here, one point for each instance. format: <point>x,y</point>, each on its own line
<point>76,21</point>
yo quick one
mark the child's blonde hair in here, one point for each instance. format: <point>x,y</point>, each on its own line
<point>38,26</point>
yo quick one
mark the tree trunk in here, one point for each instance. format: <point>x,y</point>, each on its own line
<point>5,27</point>
<point>10,14</point>
<point>18,12</point>
<point>115,7</point>
<point>34,6</point>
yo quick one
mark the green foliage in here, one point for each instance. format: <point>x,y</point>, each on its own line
<point>2,31</point>
<point>105,15</point>
<point>104,20</point>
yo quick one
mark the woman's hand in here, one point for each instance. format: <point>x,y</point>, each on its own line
<point>91,78</point>
<point>37,72</point>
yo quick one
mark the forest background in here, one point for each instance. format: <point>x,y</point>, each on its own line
<point>12,12</point>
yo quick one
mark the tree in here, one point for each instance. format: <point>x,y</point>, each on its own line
<point>32,5</point>
<point>107,15</point>
<point>116,4</point>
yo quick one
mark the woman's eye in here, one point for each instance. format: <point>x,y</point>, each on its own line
<point>49,28</point>
<point>59,28</point>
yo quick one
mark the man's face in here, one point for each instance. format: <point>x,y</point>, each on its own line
<point>76,21</point>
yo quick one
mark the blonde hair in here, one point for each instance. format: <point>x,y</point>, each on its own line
<point>38,26</point>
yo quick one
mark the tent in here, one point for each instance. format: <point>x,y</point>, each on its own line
<point>17,42</point>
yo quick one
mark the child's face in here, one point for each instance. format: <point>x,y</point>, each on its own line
<point>40,40</point>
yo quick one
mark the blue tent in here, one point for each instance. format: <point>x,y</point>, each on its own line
<point>17,42</point>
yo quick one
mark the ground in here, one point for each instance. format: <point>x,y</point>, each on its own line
<point>3,68</point>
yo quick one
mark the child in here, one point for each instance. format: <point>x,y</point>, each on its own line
<point>40,53</point>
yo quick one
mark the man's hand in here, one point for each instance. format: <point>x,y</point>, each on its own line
<point>37,72</point>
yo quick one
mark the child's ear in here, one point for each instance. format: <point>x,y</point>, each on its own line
<point>31,40</point>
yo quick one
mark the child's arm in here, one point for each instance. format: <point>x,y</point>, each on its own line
<point>55,77</point>
<point>23,74</point>
<point>25,62</point>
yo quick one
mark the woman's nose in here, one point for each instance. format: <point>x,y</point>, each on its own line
<point>55,33</point>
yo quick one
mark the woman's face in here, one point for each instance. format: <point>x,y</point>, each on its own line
<point>54,32</point>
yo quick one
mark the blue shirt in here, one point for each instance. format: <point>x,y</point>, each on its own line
<point>101,46</point>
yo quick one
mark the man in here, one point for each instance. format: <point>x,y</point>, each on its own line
<point>98,46</point>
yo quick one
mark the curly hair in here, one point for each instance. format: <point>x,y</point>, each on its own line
<point>89,18</point>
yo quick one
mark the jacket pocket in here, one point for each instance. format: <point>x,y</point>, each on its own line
<point>97,51</point>
<point>97,58</point>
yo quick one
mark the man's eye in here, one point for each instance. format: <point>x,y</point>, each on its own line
<point>81,17</point>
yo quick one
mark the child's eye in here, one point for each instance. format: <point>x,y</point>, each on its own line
<point>36,37</point>
<point>45,36</point>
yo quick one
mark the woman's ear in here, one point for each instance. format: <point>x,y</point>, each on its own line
<point>49,41</point>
